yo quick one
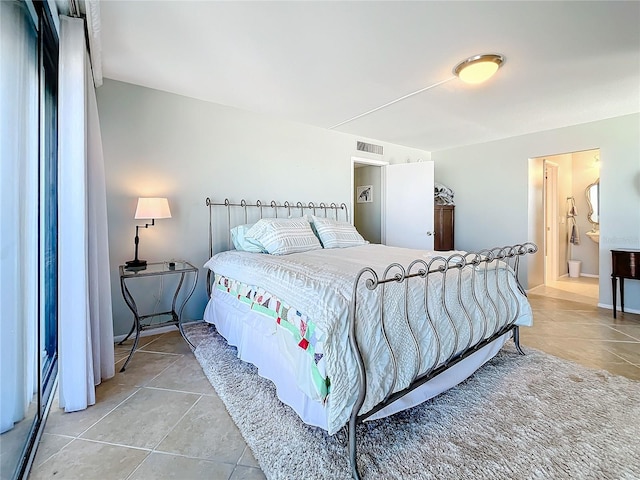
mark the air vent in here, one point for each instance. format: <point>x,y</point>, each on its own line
<point>369,147</point>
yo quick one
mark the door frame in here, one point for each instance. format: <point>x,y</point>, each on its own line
<point>551,218</point>
<point>373,163</point>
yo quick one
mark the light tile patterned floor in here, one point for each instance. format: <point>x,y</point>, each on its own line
<point>162,419</point>
<point>568,324</point>
<point>159,419</point>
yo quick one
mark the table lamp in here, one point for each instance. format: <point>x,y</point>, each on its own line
<point>148,209</point>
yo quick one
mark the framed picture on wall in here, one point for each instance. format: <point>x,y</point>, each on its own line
<point>364,194</point>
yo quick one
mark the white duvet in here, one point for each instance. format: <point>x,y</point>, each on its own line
<point>320,283</point>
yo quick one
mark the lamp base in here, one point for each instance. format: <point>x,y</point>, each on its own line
<point>136,264</point>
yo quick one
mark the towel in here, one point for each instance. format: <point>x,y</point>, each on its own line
<point>573,211</point>
<point>575,234</point>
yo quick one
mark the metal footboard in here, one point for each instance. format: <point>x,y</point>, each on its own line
<point>486,274</point>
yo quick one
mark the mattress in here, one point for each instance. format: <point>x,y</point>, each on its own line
<point>320,283</point>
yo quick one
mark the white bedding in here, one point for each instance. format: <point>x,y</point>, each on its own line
<point>257,344</point>
<point>320,283</point>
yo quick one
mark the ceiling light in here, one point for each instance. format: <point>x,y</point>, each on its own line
<point>479,68</point>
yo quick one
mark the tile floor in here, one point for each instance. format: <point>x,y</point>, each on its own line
<point>159,419</point>
<point>162,419</point>
<point>568,324</point>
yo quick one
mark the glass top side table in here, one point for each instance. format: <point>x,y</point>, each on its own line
<point>128,275</point>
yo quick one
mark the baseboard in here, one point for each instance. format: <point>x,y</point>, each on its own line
<point>155,331</point>
<point>146,333</point>
<point>610,307</point>
<point>591,275</point>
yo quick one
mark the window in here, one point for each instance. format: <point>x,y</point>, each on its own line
<point>28,227</point>
<point>49,204</point>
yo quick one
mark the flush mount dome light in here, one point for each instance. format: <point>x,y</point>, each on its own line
<point>479,68</point>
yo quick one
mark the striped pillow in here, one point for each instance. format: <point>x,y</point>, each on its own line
<point>335,234</point>
<point>280,236</point>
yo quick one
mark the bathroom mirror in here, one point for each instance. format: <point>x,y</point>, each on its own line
<point>593,199</point>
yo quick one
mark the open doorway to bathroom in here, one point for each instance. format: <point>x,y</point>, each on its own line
<point>570,225</point>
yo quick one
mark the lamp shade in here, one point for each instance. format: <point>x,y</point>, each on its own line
<point>152,208</point>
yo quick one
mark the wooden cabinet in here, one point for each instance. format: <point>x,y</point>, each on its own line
<point>443,227</point>
<point>624,264</point>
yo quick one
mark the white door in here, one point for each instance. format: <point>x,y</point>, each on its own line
<point>408,205</point>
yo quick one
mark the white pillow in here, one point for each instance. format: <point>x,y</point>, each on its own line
<point>242,243</point>
<point>280,236</point>
<point>335,234</point>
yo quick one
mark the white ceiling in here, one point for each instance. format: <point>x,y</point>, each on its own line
<point>321,63</point>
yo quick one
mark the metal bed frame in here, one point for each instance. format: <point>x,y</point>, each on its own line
<point>504,260</point>
<point>422,270</point>
<point>273,209</point>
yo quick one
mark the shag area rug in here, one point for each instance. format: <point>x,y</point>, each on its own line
<point>531,417</point>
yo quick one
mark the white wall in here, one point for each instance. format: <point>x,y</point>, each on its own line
<point>491,184</point>
<point>161,144</point>
<point>535,202</point>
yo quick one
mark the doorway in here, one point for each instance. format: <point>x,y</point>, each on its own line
<point>565,226</point>
<point>367,187</point>
<point>393,204</point>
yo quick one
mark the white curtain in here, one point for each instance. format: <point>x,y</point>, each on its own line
<point>85,321</point>
<point>18,212</point>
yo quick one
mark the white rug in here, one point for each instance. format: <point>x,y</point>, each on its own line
<point>531,417</point>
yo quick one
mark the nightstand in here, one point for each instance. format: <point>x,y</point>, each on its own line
<point>127,275</point>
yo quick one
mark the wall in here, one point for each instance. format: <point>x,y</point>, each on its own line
<point>161,144</point>
<point>535,224</point>
<point>492,188</point>
<point>367,216</point>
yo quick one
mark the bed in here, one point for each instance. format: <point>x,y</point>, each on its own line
<point>350,331</point>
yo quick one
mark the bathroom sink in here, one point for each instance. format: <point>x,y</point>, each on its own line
<point>595,236</point>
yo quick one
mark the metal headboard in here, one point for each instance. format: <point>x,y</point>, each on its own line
<point>270,209</point>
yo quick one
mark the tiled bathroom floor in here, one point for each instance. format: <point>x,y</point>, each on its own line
<point>162,419</point>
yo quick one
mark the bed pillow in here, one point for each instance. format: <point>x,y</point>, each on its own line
<point>336,234</point>
<point>280,236</point>
<point>244,244</point>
